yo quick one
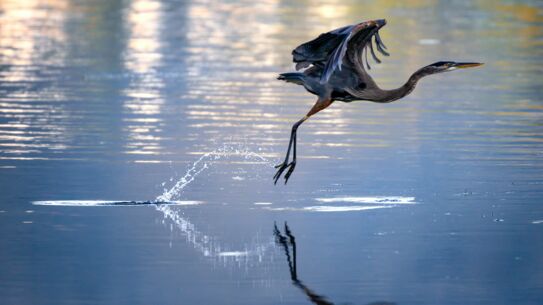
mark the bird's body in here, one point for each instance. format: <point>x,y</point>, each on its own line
<point>336,65</point>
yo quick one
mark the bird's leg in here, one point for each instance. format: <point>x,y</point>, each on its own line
<point>292,164</point>
<point>283,166</point>
<point>319,105</point>
<point>292,132</point>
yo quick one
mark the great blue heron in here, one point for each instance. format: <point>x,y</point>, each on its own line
<point>335,72</point>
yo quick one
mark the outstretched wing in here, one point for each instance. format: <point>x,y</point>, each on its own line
<point>328,50</point>
<point>319,49</point>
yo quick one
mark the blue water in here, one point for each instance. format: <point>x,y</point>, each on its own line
<point>434,199</point>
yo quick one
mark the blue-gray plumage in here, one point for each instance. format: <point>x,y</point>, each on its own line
<point>335,70</point>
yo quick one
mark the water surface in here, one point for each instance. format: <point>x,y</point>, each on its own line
<point>434,199</point>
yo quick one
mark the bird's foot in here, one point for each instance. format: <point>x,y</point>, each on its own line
<point>281,168</point>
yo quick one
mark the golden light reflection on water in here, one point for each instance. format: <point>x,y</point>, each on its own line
<point>29,29</point>
<point>143,58</point>
<point>227,62</point>
<point>143,22</point>
<point>30,36</point>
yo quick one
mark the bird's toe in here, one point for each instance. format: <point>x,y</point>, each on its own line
<point>291,166</point>
<point>279,172</point>
<point>281,168</point>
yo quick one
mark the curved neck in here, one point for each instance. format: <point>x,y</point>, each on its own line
<point>387,96</point>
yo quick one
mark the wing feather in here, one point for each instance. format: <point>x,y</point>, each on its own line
<point>366,57</point>
<point>380,46</point>
<point>373,53</point>
<point>318,49</point>
<point>328,50</point>
<point>379,40</point>
<point>336,59</point>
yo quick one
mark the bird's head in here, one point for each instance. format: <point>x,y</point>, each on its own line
<point>446,66</point>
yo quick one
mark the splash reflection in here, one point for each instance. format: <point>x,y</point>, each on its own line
<point>210,246</point>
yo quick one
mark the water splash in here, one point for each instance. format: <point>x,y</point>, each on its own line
<point>205,161</point>
<point>208,245</point>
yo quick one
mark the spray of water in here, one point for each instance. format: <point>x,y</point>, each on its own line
<point>204,162</point>
<point>207,245</point>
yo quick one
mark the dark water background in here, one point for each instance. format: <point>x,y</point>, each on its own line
<point>117,100</point>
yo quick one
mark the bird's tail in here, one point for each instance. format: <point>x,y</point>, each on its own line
<point>292,77</point>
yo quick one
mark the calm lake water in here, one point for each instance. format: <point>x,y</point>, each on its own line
<point>434,199</point>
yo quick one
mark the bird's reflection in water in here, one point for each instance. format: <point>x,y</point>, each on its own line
<point>288,242</point>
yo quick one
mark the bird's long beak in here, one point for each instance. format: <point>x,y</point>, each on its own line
<point>463,65</point>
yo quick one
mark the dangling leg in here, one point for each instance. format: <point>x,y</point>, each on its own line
<point>293,163</point>
<point>283,166</point>
<point>319,105</point>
